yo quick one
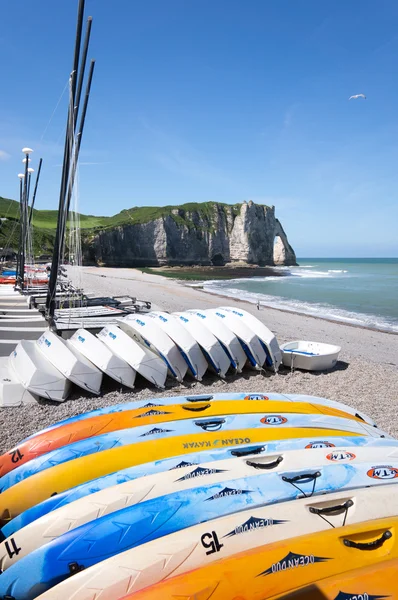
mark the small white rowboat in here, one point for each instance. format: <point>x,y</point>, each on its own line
<point>309,356</point>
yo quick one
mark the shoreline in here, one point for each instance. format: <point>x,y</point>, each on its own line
<point>302,314</point>
<point>200,288</point>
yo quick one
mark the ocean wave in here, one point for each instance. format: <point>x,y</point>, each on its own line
<point>310,274</point>
<point>337,271</point>
<point>324,311</point>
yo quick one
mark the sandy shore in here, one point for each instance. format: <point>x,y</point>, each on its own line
<point>366,376</point>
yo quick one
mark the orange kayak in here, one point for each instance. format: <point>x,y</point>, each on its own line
<point>378,581</point>
<point>87,428</point>
<point>277,570</point>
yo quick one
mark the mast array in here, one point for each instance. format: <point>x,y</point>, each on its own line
<point>71,150</point>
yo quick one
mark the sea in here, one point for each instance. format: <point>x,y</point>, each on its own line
<point>358,291</point>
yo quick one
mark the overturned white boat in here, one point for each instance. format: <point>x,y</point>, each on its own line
<point>145,330</point>
<point>72,363</point>
<point>246,336</point>
<point>12,392</point>
<point>309,356</point>
<point>145,362</point>
<point>225,336</point>
<point>265,335</point>
<point>102,357</point>
<point>210,346</point>
<point>188,346</point>
<point>36,373</point>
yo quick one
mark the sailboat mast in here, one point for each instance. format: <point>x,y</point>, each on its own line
<point>77,148</point>
<point>35,191</point>
<point>52,286</point>
<point>75,116</point>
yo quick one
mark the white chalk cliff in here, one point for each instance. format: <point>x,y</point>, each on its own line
<point>208,234</point>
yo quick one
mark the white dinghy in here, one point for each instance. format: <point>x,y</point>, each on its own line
<point>12,392</point>
<point>225,336</point>
<point>145,362</point>
<point>211,347</point>
<point>188,346</point>
<point>72,363</point>
<point>309,356</point>
<point>36,373</point>
<point>265,335</point>
<point>102,357</point>
<point>246,336</point>
<point>145,330</point>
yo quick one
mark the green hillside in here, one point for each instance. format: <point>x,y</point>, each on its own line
<point>45,221</point>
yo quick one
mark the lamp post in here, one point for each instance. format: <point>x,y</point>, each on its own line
<point>30,171</point>
<point>24,213</point>
<point>18,269</point>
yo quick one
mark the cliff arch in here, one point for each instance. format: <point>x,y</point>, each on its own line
<point>283,252</point>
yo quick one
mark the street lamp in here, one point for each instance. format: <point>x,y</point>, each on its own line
<point>24,212</point>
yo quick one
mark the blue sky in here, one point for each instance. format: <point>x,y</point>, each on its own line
<point>221,100</point>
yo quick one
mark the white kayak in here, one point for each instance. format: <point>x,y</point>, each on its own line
<point>37,374</point>
<point>118,497</point>
<point>210,346</point>
<point>310,356</point>
<point>70,362</point>
<point>190,548</point>
<point>142,360</point>
<point>265,335</point>
<point>248,339</point>
<point>188,346</point>
<point>102,357</point>
<point>225,336</point>
<point>147,332</point>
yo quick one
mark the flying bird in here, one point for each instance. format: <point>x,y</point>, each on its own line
<point>357,96</point>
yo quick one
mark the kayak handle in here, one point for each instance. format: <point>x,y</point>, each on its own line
<point>266,466</point>
<point>214,425</point>
<point>247,451</point>
<point>329,510</point>
<point>369,545</point>
<point>199,398</point>
<point>303,478</point>
<point>195,408</point>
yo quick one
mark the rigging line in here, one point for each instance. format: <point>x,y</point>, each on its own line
<point>55,110</point>
<point>16,223</point>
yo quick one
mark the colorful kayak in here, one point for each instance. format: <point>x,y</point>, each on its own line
<point>333,446</point>
<point>166,401</point>
<point>70,433</point>
<point>125,437</point>
<point>369,583</point>
<point>285,566</point>
<point>64,476</point>
<point>111,534</point>
<point>208,543</point>
<point>127,494</point>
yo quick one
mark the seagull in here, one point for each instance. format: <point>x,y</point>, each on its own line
<point>357,96</point>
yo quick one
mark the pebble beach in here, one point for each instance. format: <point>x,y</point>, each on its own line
<point>366,376</point>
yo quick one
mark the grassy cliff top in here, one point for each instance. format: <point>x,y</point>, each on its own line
<point>47,219</point>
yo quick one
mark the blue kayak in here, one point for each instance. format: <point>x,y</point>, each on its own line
<point>125,437</point>
<point>156,402</point>
<point>109,535</point>
<point>91,487</point>
<point>169,400</point>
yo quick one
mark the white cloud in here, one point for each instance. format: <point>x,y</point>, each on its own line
<point>4,155</point>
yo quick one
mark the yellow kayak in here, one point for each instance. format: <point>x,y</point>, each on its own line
<point>64,476</point>
<point>69,433</point>
<point>370,583</point>
<point>279,569</point>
